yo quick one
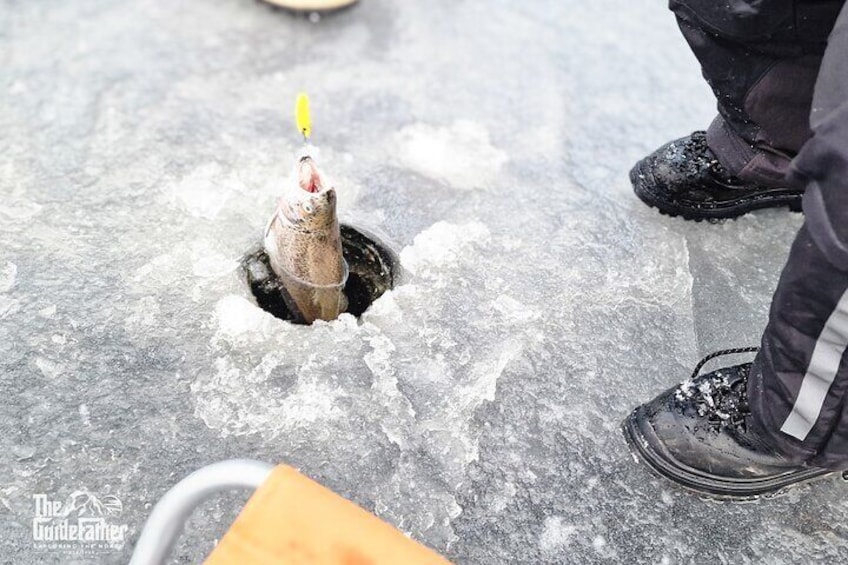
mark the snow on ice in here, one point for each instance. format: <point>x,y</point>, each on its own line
<point>476,405</point>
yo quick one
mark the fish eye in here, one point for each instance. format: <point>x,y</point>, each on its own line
<point>307,207</point>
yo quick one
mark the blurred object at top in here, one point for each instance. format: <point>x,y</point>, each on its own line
<point>311,5</point>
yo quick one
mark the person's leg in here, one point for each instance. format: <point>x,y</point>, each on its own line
<point>760,427</point>
<point>800,379</point>
<point>761,60</point>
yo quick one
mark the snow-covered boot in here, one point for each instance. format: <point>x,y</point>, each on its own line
<point>684,178</point>
<point>701,435</point>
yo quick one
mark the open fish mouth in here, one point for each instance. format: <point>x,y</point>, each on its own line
<point>309,196</point>
<point>309,177</point>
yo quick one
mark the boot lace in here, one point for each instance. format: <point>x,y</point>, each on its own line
<point>721,353</point>
<point>702,157</point>
<point>721,401</point>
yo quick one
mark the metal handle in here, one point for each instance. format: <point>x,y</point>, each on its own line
<point>169,516</point>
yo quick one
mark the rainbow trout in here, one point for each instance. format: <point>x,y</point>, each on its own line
<point>304,246</point>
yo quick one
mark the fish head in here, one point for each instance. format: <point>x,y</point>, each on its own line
<point>310,204</point>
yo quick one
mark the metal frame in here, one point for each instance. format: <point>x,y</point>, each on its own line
<point>169,516</point>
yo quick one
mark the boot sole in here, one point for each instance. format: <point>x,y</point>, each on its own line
<point>698,211</point>
<point>644,443</point>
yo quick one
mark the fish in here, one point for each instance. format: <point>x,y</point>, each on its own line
<point>304,246</point>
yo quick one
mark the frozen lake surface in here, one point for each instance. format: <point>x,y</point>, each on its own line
<point>476,406</point>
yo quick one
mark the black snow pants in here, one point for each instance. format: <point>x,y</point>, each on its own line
<point>782,88</point>
<point>761,58</point>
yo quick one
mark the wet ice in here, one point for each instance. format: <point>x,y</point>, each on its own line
<point>476,405</point>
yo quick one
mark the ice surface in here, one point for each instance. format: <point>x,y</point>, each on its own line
<point>476,405</point>
<point>460,154</point>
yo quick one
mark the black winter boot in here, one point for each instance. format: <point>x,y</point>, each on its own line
<point>700,435</point>
<point>684,178</point>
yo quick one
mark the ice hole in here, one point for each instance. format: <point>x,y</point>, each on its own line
<point>373,270</point>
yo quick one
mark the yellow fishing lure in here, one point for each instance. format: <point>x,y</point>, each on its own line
<point>302,116</point>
